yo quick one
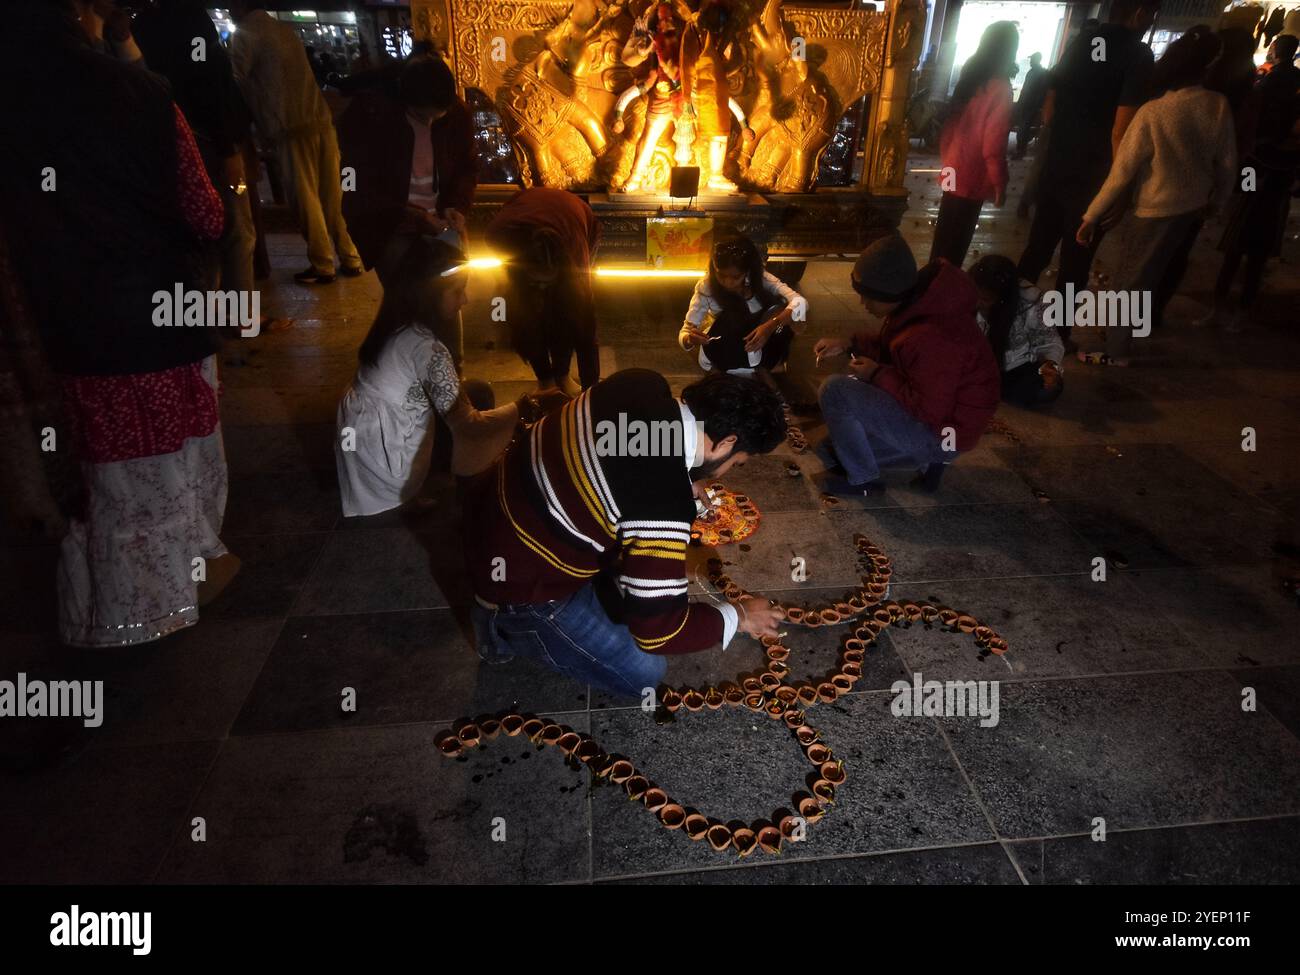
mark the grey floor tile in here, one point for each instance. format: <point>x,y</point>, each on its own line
<point>1137,751</point>
<point>969,542</point>
<point>765,480</point>
<point>829,559</point>
<point>275,449</point>
<point>381,805</point>
<point>107,816</point>
<point>1258,852</point>
<point>1274,465</point>
<point>282,503</point>
<point>1058,626</point>
<point>410,666</point>
<point>374,571</point>
<point>982,863</point>
<point>1152,533</point>
<point>1278,690</point>
<point>273,569</point>
<point>1236,615</point>
<point>903,789</point>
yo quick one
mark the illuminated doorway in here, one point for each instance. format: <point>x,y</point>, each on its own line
<point>1040,31</point>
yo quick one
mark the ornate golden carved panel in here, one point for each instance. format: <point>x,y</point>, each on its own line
<point>556,71</point>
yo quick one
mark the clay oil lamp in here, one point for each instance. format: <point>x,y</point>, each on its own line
<point>588,752</point>
<point>948,617</point>
<point>713,566</point>
<point>818,753</point>
<point>844,609</point>
<point>490,727</point>
<point>793,718</point>
<point>719,837</point>
<point>512,724</point>
<point>754,701</point>
<point>794,614</point>
<point>824,791</point>
<point>741,499</point>
<point>717,486</point>
<point>842,683</point>
<point>693,700</point>
<point>792,469</point>
<point>877,590</point>
<point>788,825</point>
<point>827,692</point>
<point>769,837</point>
<point>654,798</point>
<point>469,734</point>
<point>697,537</point>
<point>695,825</point>
<point>751,685</point>
<point>852,670</point>
<point>532,728</point>
<point>732,593</point>
<point>568,741</point>
<point>830,616</point>
<point>777,652</point>
<point>882,615</point>
<point>745,840</point>
<point>769,681</point>
<point>884,572</point>
<point>833,772</point>
<point>912,611</point>
<point>713,698</point>
<point>671,700</point>
<point>807,694</point>
<point>967,623</point>
<point>551,734</point>
<point>998,645</point>
<point>672,816</point>
<point>854,656</point>
<point>724,535</point>
<point>734,696</point>
<point>786,694</point>
<point>929,613</point>
<point>778,669</point>
<point>636,787</point>
<point>806,734</point>
<point>895,610</point>
<point>810,809</point>
<point>857,602</point>
<point>812,618</point>
<point>620,770</point>
<point>983,634</point>
<point>854,645</point>
<point>867,631</point>
<point>860,541</point>
<point>774,708</point>
<point>449,744</point>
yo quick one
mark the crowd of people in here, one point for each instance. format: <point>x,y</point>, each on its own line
<point>577,550</point>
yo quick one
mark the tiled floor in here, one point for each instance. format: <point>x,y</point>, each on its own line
<point>1121,700</point>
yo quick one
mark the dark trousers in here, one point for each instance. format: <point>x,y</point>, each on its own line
<point>955,228</point>
<point>550,351</point>
<point>1173,275</point>
<point>1023,386</point>
<point>1056,222</point>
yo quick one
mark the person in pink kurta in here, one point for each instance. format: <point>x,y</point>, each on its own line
<point>973,146</point>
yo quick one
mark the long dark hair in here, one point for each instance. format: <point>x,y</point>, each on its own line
<point>998,274</point>
<point>995,58</point>
<point>741,254</point>
<point>1186,60</point>
<point>406,304</point>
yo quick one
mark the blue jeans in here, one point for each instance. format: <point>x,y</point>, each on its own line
<point>871,430</point>
<point>573,636</point>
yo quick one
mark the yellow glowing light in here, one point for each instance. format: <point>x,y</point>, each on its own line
<point>646,272</point>
<point>479,263</point>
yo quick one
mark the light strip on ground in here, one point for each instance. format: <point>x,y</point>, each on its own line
<point>646,272</point>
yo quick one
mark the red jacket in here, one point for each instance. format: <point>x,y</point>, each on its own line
<point>974,143</point>
<point>934,359</point>
<point>376,140</point>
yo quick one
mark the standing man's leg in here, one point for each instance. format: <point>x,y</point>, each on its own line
<point>1044,235</point>
<point>330,187</point>
<point>304,157</point>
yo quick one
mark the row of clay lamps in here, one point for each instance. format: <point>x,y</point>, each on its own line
<point>768,692</point>
<point>794,434</point>
<point>809,806</point>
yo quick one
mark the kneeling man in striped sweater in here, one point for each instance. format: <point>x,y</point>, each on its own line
<point>607,486</point>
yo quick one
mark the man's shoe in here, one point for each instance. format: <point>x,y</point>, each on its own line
<point>352,272</point>
<point>312,276</point>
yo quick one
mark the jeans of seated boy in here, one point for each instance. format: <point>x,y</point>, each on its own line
<point>576,638</point>
<point>871,430</point>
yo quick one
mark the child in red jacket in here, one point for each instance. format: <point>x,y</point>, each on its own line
<point>973,146</point>
<point>922,387</point>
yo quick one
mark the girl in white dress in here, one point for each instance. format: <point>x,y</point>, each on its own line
<point>385,419</point>
<point>741,316</point>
